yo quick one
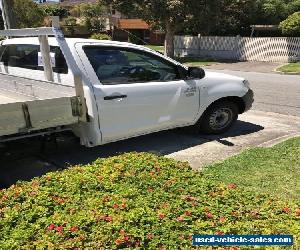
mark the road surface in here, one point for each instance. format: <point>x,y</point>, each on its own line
<point>273,92</point>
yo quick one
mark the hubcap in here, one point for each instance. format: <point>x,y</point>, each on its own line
<point>220,119</point>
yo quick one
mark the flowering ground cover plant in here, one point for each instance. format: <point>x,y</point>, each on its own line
<point>135,200</point>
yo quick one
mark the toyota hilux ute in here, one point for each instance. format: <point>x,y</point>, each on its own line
<point>106,91</point>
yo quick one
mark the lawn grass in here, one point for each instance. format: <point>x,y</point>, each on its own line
<point>275,171</point>
<point>156,47</point>
<point>290,68</point>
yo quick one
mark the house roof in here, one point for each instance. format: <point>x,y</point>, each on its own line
<point>133,24</point>
<point>73,2</point>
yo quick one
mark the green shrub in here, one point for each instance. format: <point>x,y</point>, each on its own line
<point>133,200</point>
<point>70,23</point>
<point>100,36</point>
<point>291,26</point>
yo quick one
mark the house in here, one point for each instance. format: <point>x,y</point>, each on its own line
<point>136,31</point>
<point>67,3</point>
<point>123,28</point>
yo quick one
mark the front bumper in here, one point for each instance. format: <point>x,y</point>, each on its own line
<point>248,100</point>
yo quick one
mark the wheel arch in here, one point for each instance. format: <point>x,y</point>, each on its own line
<point>235,99</point>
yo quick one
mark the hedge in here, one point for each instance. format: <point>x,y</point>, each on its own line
<point>135,200</point>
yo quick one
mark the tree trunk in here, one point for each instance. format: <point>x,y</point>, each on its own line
<point>169,41</point>
<point>8,15</point>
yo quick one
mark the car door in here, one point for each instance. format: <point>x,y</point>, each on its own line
<point>138,92</point>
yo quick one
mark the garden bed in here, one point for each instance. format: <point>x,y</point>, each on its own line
<point>135,200</point>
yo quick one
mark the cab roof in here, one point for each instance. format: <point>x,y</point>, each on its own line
<point>72,41</point>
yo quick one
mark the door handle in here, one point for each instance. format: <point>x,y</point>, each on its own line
<point>112,97</point>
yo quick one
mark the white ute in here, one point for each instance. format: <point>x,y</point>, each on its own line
<point>106,91</point>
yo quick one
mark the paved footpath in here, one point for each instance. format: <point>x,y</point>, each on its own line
<point>255,128</point>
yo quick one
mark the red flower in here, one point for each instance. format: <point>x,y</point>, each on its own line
<point>150,190</point>
<point>161,216</point>
<point>213,194</point>
<point>286,210</point>
<point>232,186</point>
<point>115,206</point>
<point>59,229</point>
<point>48,178</point>
<point>234,214</point>
<point>73,229</point>
<point>51,227</point>
<point>298,212</point>
<point>220,233</point>
<point>206,209</point>
<point>126,238</point>
<point>122,232</point>
<point>123,206</point>
<point>235,248</point>
<point>222,219</point>
<point>188,213</point>
<point>150,236</point>
<point>209,215</point>
<point>108,218</point>
<point>180,219</point>
<point>118,242</point>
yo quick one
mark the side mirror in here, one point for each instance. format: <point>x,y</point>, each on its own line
<point>196,73</point>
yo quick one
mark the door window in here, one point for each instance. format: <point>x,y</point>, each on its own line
<point>123,66</point>
<point>27,56</point>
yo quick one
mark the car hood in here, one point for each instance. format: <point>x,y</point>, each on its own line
<point>222,76</point>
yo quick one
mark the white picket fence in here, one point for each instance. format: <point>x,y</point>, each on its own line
<point>267,49</point>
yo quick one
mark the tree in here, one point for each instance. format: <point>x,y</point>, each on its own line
<point>293,6</point>
<point>27,14</point>
<point>94,16</point>
<point>70,23</point>
<point>8,7</point>
<point>225,17</point>
<point>291,25</point>
<point>271,11</point>
<point>171,15</point>
<point>55,10</point>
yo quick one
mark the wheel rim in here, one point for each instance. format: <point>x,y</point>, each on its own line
<point>220,118</point>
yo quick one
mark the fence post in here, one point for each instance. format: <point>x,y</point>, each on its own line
<point>199,45</point>
<point>237,48</point>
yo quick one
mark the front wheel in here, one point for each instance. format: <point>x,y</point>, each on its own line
<point>219,118</point>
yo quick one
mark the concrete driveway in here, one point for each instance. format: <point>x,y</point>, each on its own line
<point>255,128</point>
<point>275,116</point>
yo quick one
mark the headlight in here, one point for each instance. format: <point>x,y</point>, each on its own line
<point>246,83</point>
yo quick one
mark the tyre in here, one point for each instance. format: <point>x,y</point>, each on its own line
<point>219,117</point>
